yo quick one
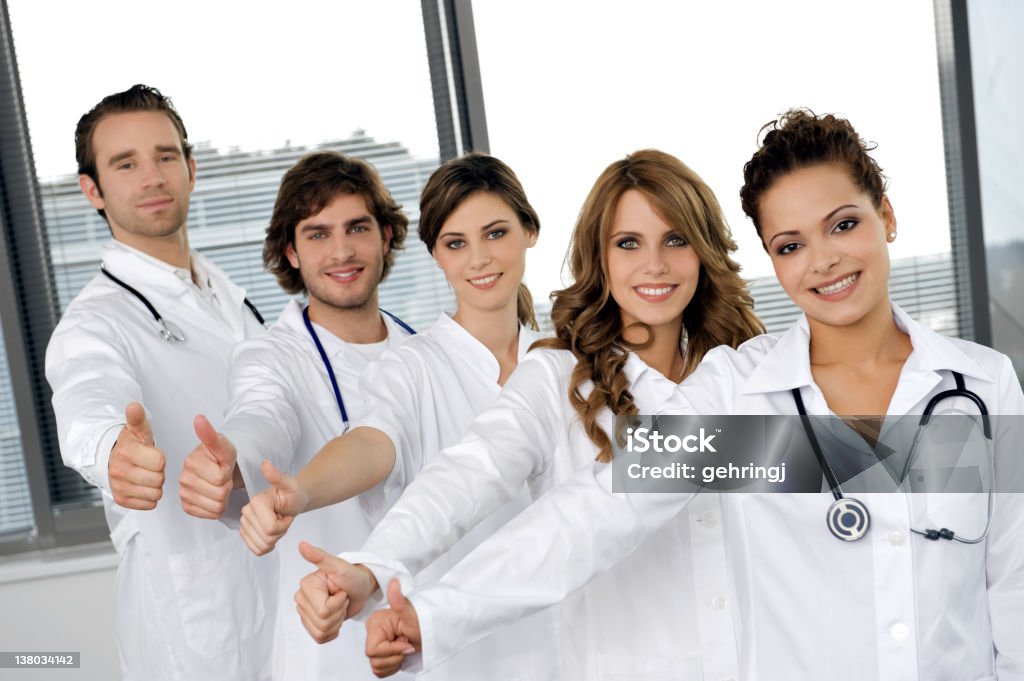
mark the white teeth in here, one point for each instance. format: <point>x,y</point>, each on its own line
<point>483,281</point>
<point>345,276</point>
<point>643,290</point>
<point>838,286</point>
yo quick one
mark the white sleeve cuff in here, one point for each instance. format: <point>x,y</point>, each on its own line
<point>98,474</point>
<point>384,570</point>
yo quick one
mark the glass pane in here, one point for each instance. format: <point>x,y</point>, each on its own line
<point>698,80</point>
<point>257,89</point>
<point>997,60</point>
<point>15,500</point>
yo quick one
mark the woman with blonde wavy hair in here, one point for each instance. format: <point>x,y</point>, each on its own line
<point>654,289</point>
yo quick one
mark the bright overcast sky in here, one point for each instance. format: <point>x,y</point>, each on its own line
<point>569,86</point>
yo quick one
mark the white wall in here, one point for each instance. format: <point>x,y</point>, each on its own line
<point>61,601</point>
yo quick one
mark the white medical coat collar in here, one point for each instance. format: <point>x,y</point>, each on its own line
<point>291,318</point>
<point>136,269</point>
<point>661,389</point>
<point>788,364</point>
<point>483,358</point>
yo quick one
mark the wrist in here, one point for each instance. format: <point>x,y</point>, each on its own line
<point>370,578</point>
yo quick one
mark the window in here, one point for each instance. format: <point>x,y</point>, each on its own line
<point>256,90</point>
<point>572,86</point>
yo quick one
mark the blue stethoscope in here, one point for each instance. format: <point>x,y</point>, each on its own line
<point>848,518</point>
<point>168,330</point>
<point>327,361</point>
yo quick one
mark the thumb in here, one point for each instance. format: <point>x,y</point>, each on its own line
<point>271,473</point>
<point>311,553</point>
<point>396,601</point>
<point>137,423</point>
<point>216,444</point>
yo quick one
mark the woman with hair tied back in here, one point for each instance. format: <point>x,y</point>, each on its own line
<point>477,223</point>
<point>654,288</point>
<point>911,583</point>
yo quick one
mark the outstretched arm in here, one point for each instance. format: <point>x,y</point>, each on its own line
<point>344,468</point>
<point>570,535</point>
<point>505,446</point>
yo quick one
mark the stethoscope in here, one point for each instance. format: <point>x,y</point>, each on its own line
<point>168,330</point>
<point>327,361</point>
<point>848,518</point>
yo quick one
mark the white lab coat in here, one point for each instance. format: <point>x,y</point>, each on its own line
<point>805,605</point>
<point>533,434</point>
<point>188,601</point>
<point>283,408</point>
<point>423,396</point>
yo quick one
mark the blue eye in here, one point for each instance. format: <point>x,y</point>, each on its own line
<point>629,244</point>
<point>496,234</point>
<point>455,244</point>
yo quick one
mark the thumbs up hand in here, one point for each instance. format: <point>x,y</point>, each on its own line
<point>337,590</point>
<point>209,474</point>
<point>136,467</point>
<point>269,514</point>
<point>392,634</point>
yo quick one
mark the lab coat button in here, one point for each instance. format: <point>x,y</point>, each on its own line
<point>718,602</point>
<point>900,631</point>
<point>707,519</point>
<point>896,538</point>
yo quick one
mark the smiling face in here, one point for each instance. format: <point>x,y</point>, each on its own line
<point>482,250</point>
<point>652,270</point>
<point>144,179</point>
<point>340,253</point>
<point>828,243</point>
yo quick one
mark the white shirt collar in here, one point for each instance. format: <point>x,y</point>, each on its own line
<point>291,317</point>
<point>788,365</point>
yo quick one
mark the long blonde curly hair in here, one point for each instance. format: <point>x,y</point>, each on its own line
<point>587,319</point>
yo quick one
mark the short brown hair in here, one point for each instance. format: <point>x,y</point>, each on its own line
<point>800,139</point>
<point>307,188</point>
<point>136,98</point>
<point>462,177</point>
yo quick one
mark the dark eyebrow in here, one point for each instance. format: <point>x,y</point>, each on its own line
<point>483,228</point>
<point>117,158</point>
<point>492,223</point>
<point>824,219</point>
<point>361,220</point>
<point>164,149</point>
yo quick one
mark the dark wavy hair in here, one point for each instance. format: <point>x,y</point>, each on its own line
<point>456,181</point>
<point>586,317</point>
<point>800,139</point>
<point>307,188</point>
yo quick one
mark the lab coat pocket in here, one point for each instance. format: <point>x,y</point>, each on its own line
<point>965,514</point>
<point>623,667</point>
<point>218,598</point>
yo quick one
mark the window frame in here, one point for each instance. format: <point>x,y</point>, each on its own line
<point>29,309</point>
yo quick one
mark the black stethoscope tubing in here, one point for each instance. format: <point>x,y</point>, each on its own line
<point>169,335</point>
<point>327,362</point>
<point>854,510</point>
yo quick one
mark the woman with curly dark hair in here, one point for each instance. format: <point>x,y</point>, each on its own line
<point>845,583</point>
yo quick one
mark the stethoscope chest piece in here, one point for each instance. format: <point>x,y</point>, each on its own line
<point>848,519</point>
<point>170,332</point>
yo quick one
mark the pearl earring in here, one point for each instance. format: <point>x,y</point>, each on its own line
<point>892,236</point>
